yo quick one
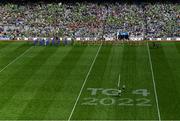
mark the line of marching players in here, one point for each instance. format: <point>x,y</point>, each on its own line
<point>51,41</point>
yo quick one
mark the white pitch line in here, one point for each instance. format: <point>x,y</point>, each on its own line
<point>155,91</point>
<point>84,83</point>
<point>119,81</point>
<point>15,59</point>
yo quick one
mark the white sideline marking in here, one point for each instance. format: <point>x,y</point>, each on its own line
<point>84,83</point>
<point>152,72</point>
<point>119,81</point>
<point>15,59</point>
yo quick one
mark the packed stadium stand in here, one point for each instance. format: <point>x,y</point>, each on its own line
<point>89,19</point>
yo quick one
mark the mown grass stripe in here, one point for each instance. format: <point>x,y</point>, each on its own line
<point>154,83</point>
<point>128,77</point>
<point>144,81</point>
<point>3,45</point>
<point>13,61</point>
<point>128,67</point>
<point>9,53</point>
<point>14,83</point>
<point>66,97</point>
<point>96,79</point>
<point>19,101</point>
<point>84,83</point>
<point>11,46</point>
<point>98,71</point>
<point>111,63</point>
<point>46,94</point>
<point>173,59</point>
<point>163,73</point>
<point>177,46</point>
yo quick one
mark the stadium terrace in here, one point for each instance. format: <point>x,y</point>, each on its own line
<point>90,20</point>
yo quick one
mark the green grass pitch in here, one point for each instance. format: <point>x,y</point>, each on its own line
<point>81,82</point>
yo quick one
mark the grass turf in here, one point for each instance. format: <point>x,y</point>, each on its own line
<point>45,82</point>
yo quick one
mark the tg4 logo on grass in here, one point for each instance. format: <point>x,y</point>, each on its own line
<point>113,98</point>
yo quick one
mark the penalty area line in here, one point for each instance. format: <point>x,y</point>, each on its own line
<point>84,82</point>
<point>15,59</point>
<point>154,84</point>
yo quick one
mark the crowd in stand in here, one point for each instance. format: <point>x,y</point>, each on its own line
<point>89,20</point>
<point>161,19</point>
